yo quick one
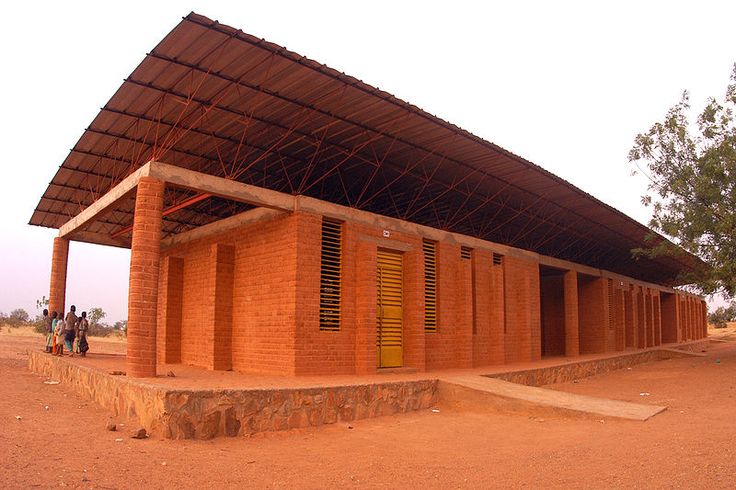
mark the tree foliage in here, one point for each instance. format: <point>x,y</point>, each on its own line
<point>18,316</point>
<point>692,189</point>
<point>722,315</point>
<point>42,302</point>
<point>94,315</point>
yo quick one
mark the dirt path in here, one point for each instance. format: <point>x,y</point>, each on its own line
<point>689,446</point>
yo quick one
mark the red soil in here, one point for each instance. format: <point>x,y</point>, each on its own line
<point>688,446</point>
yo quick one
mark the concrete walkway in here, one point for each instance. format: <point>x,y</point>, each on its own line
<point>490,394</point>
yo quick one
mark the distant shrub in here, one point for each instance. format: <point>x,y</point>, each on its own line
<point>18,317</point>
<point>99,330</point>
<point>722,315</point>
<point>39,325</point>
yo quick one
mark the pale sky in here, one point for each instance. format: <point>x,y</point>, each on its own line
<point>566,85</point>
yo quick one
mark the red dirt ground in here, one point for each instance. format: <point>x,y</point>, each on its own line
<point>688,446</point>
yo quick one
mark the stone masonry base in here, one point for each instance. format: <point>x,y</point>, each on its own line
<point>204,414</point>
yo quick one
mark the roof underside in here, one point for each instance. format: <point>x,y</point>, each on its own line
<point>213,99</point>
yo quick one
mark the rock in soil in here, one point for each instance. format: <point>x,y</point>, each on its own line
<point>139,433</point>
<point>111,426</point>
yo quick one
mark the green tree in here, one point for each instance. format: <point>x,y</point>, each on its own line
<point>692,187</point>
<point>94,315</point>
<point>96,327</point>
<point>722,315</point>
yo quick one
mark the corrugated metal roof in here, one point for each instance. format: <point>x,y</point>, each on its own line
<point>214,99</point>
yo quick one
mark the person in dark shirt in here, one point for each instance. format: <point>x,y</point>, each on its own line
<point>83,326</point>
<point>70,329</point>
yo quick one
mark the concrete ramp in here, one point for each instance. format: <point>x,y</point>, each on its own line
<point>490,394</point>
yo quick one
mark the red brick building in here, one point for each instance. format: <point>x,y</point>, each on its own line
<point>285,218</point>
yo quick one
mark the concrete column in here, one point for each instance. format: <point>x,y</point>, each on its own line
<point>144,268</point>
<point>57,287</point>
<point>572,332</point>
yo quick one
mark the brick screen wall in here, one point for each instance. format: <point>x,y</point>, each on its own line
<point>248,299</point>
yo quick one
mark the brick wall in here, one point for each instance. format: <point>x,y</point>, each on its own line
<point>238,298</point>
<point>318,351</point>
<point>248,299</point>
<point>630,317</point>
<point>170,302</point>
<point>453,299</point>
<point>572,319</point>
<point>657,317</point>
<point>521,310</point>
<point>618,308</point>
<point>483,292</point>
<point>592,313</point>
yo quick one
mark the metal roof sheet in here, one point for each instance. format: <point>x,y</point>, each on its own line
<point>214,99</point>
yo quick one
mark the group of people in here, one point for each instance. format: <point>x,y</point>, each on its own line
<point>69,332</point>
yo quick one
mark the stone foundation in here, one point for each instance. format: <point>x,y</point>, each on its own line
<point>204,414</point>
<point>565,373</point>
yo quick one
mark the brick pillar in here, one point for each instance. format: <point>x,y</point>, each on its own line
<point>220,321</point>
<point>366,354</point>
<point>464,314</point>
<point>171,288</point>
<point>482,265</point>
<point>572,331</point>
<point>414,336</point>
<point>144,268</point>
<point>657,308</point>
<point>57,287</point>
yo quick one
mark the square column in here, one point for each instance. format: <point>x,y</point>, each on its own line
<point>57,287</point>
<point>219,328</point>
<point>572,329</point>
<point>365,308</point>
<point>144,268</point>
<point>414,337</point>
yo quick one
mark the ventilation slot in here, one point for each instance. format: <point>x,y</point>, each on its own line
<point>330,275</point>
<point>430,285</point>
<point>465,252</point>
<point>610,304</point>
<point>497,259</point>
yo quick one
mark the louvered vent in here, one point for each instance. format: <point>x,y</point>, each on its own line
<point>330,275</point>
<point>610,304</point>
<point>430,285</point>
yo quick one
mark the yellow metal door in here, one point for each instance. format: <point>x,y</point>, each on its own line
<point>389,314</point>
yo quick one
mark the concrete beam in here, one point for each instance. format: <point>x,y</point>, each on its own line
<point>99,239</point>
<point>104,203</point>
<point>279,201</point>
<point>221,226</point>
<point>218,186</point>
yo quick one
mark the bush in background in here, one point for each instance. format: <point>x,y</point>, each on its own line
<point>722,315</point>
